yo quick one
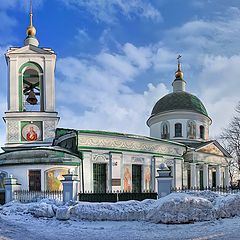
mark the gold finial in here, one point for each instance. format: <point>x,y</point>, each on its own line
<point>31,31</point>
<point>179,73</point>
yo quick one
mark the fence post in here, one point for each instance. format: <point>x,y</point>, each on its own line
<point>11,185</point>
<point>164,180</point>
<point>70,190</point>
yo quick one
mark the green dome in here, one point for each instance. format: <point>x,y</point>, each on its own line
<point>179,101</point>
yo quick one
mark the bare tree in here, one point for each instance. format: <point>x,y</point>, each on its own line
<point>231,141</point>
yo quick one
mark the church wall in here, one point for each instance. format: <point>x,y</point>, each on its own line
<point>119,169</point>
<point>21,172</point>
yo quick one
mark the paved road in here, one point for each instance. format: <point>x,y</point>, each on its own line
<point>26,227</point>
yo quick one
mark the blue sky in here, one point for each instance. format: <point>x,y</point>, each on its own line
<point>116,58</point>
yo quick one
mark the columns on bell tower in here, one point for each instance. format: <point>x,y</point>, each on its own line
<point>13,94</point>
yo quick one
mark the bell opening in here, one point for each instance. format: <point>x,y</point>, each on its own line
<point>31,90</point>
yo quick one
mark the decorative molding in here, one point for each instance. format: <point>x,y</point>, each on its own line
<point>120,143</point>
<point>13,131</point>
<point>99,158</point>
<point>49,129</point>
<point>138,160</point>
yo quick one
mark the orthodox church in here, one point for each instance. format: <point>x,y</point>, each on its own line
<point>37,153</point>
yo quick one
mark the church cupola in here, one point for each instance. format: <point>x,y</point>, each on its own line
<point>31,31</point>
<point>179,85</point>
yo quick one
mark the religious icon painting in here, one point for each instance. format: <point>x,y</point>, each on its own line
<point>31,131</point>
<point>54,177</point>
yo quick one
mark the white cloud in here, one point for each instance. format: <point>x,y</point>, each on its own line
<point>199,37</point>
<point>219,88</point>
<point>141,57</point>
<point>107,10</point>
<point>99,96</point>
<point>122,112</point>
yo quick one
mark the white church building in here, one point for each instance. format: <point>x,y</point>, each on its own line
<point>38,153</point>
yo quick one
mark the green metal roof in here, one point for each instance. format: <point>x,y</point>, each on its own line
<point>179,101</point>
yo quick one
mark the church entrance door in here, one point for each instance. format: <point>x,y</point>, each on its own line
<point>99,177</point>
<point>136,178</point>
<point>34,180</point>
<point>213,179</point>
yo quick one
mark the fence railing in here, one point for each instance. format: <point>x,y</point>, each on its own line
<point>115,196</point>
<point>26,196</point>
<point>220,190</point>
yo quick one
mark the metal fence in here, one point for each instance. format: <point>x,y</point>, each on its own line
<point>26,196</point>
<point>220,190</point>
<point>115,196</point>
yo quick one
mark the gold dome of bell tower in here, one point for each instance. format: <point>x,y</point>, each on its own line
<point>31,31</point>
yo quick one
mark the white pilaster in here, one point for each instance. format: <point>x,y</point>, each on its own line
<point>205,175</point>
<point>218,176</point>
<point>153,176</point>
<point>178,172</point>
<point>197,177</point>
<point>49,85</point>
<point>87,171</point>
<point>226,179</point>
<point>13,94</point>
<point>193,174</point>
<point>109,177</point>
<point>210,180</point>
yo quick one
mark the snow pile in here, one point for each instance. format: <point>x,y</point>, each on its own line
<point>63,213</point>
<point>181,208</point>
<point>174,208</point>
<point>209,195</point>
<point>228,206</point>
<point>42,210</point>
<point>120,211</point>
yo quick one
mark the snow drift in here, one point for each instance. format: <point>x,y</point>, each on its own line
<point>174,208</point>
<point>181,208</point>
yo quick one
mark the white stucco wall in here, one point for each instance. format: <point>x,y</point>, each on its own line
<point>21,173</point>
<point>182,117</point>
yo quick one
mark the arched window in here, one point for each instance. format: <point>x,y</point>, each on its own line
<point>202,132</point>
<point>31,94</point>
<point>191,130</point>
<point>31,90</point>
<point>178,130</point>
<point>165,130</point>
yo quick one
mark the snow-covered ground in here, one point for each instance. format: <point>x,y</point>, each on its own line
<point>210,215</point>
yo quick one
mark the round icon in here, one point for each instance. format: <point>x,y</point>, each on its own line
<point>31,132</point>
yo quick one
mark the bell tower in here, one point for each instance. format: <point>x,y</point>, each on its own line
<point>30,118</point>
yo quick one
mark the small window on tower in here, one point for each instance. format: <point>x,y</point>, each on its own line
<point>178,130</point>
<point>202,132</point>
<point>165,130</point>
<point>31,91</point>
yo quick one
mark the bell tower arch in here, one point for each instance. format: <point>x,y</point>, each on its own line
<point>31,118</point>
